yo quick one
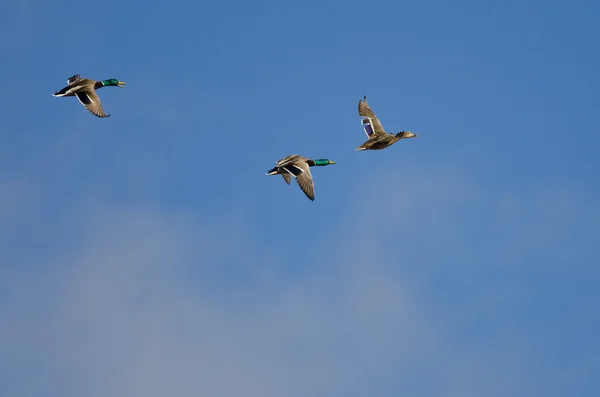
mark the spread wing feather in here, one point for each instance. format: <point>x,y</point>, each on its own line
<point>91,101</point>
<point>370,121</point>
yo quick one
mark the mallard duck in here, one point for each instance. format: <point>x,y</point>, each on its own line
<point>85,91</point>
<point>378,138</point>
<point>299,167</point>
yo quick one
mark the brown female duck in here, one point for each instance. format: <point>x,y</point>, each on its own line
<point>378,138</point>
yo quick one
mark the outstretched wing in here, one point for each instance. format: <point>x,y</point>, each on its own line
<point>301,172</point>
<point>91,101</point>
<point>370,122</point>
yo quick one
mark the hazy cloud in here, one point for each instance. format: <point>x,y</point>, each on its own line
<point>152,302</point>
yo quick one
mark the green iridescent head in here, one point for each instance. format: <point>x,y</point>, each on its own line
<point>324,162</point>
<point>113,82</point>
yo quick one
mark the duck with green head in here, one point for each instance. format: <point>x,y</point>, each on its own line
<point>378,138</point>
<point>299,168</point>
<point>85,91</point>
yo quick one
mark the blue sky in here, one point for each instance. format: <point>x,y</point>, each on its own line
<point>147,254</point>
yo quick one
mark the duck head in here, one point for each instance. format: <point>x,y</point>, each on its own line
<point>321,162</point>
<point>113,82</point>
<point>406,134</point>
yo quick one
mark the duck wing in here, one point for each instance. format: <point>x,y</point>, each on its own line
<point>74,79</point>
<point>91,101</point>
<point>287,177</point>
<point>301,172</point>
<point>370,122</point>
<point>298,167</point>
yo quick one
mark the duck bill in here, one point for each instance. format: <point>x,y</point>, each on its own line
<point>121,84</point>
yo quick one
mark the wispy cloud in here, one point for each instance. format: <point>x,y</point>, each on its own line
<point>147,301</point>
<point>119,317</point>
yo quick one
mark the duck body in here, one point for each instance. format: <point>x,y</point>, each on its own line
<point>378,139</point>
<point>299,167</point>
<point>85,91</point>
<point>378,144</point>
